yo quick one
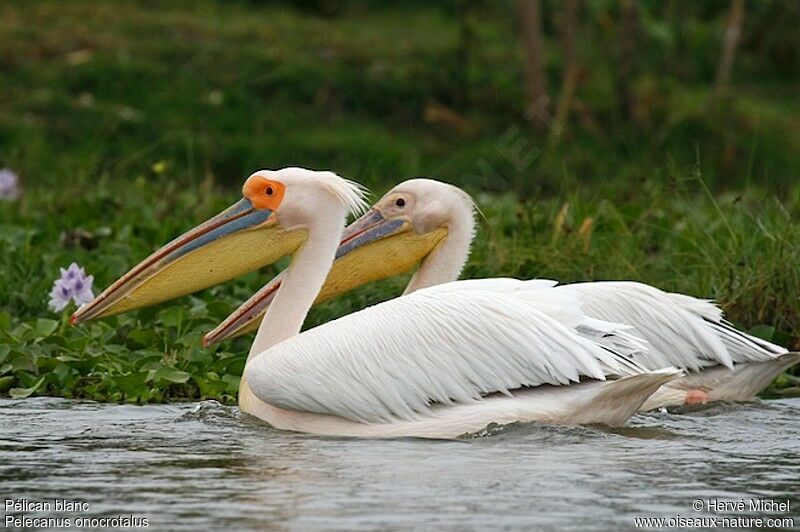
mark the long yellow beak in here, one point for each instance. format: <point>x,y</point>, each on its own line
<point>372,248</point>
<point>238,240</point>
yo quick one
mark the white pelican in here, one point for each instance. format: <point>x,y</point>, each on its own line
<point>438,363</point>
<point>435,221</point>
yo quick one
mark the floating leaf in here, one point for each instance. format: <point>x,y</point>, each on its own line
<point>131,384</point>
<point>19,393</point>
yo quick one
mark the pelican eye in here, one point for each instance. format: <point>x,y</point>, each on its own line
<point>269,191</point>
<point>400,202</point>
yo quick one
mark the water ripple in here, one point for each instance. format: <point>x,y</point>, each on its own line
<point>205,465</point>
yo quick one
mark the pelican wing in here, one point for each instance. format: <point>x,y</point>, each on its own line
<point>680,330</point>
<point>394,360</point>
<point>684,331</point>
<point>564,305</point>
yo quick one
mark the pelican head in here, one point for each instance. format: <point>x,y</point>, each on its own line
<point>279,210</point>
<point>419,205</point>
<point>418,221</point>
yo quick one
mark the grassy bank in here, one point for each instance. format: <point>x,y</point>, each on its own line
<point>129,124</point>
<point>735,250</point>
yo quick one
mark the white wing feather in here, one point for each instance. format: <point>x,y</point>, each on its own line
<point>680,330</point>
<point>393,360</point>
<point>684,331</point>
<point>563,305</point>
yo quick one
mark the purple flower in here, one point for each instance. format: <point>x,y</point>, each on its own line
<point>9,184</point>
<point>73,285</point>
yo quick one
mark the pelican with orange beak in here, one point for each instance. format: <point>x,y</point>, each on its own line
<point>438,363</point>
<point>722,363</point>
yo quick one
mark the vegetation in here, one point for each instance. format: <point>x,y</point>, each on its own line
<point>129,122</point>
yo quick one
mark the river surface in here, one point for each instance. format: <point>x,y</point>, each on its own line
<point>204,466</point>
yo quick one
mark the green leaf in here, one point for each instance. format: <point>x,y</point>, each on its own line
<point>177,376</point>
<point>131,384</point>
<point>5,383</point>
<point>45,327</point>
<point>56,340</point>
<point>61,371</point>
<point>19,393</point>
<point>233,383</point>
<point>79,343</point>
<point>171,317</point>
<point>24,362</point>
<point>46,364</point>
<point>67,357</point>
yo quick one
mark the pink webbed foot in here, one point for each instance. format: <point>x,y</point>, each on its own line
<point>695,397</point>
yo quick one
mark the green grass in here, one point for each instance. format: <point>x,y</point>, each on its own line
<point>130,122</point>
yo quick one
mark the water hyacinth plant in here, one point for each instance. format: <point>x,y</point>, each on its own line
<point>9,185</point>
<point>73,285</point>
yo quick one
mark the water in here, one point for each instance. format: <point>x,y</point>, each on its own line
<point>204,466</point>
